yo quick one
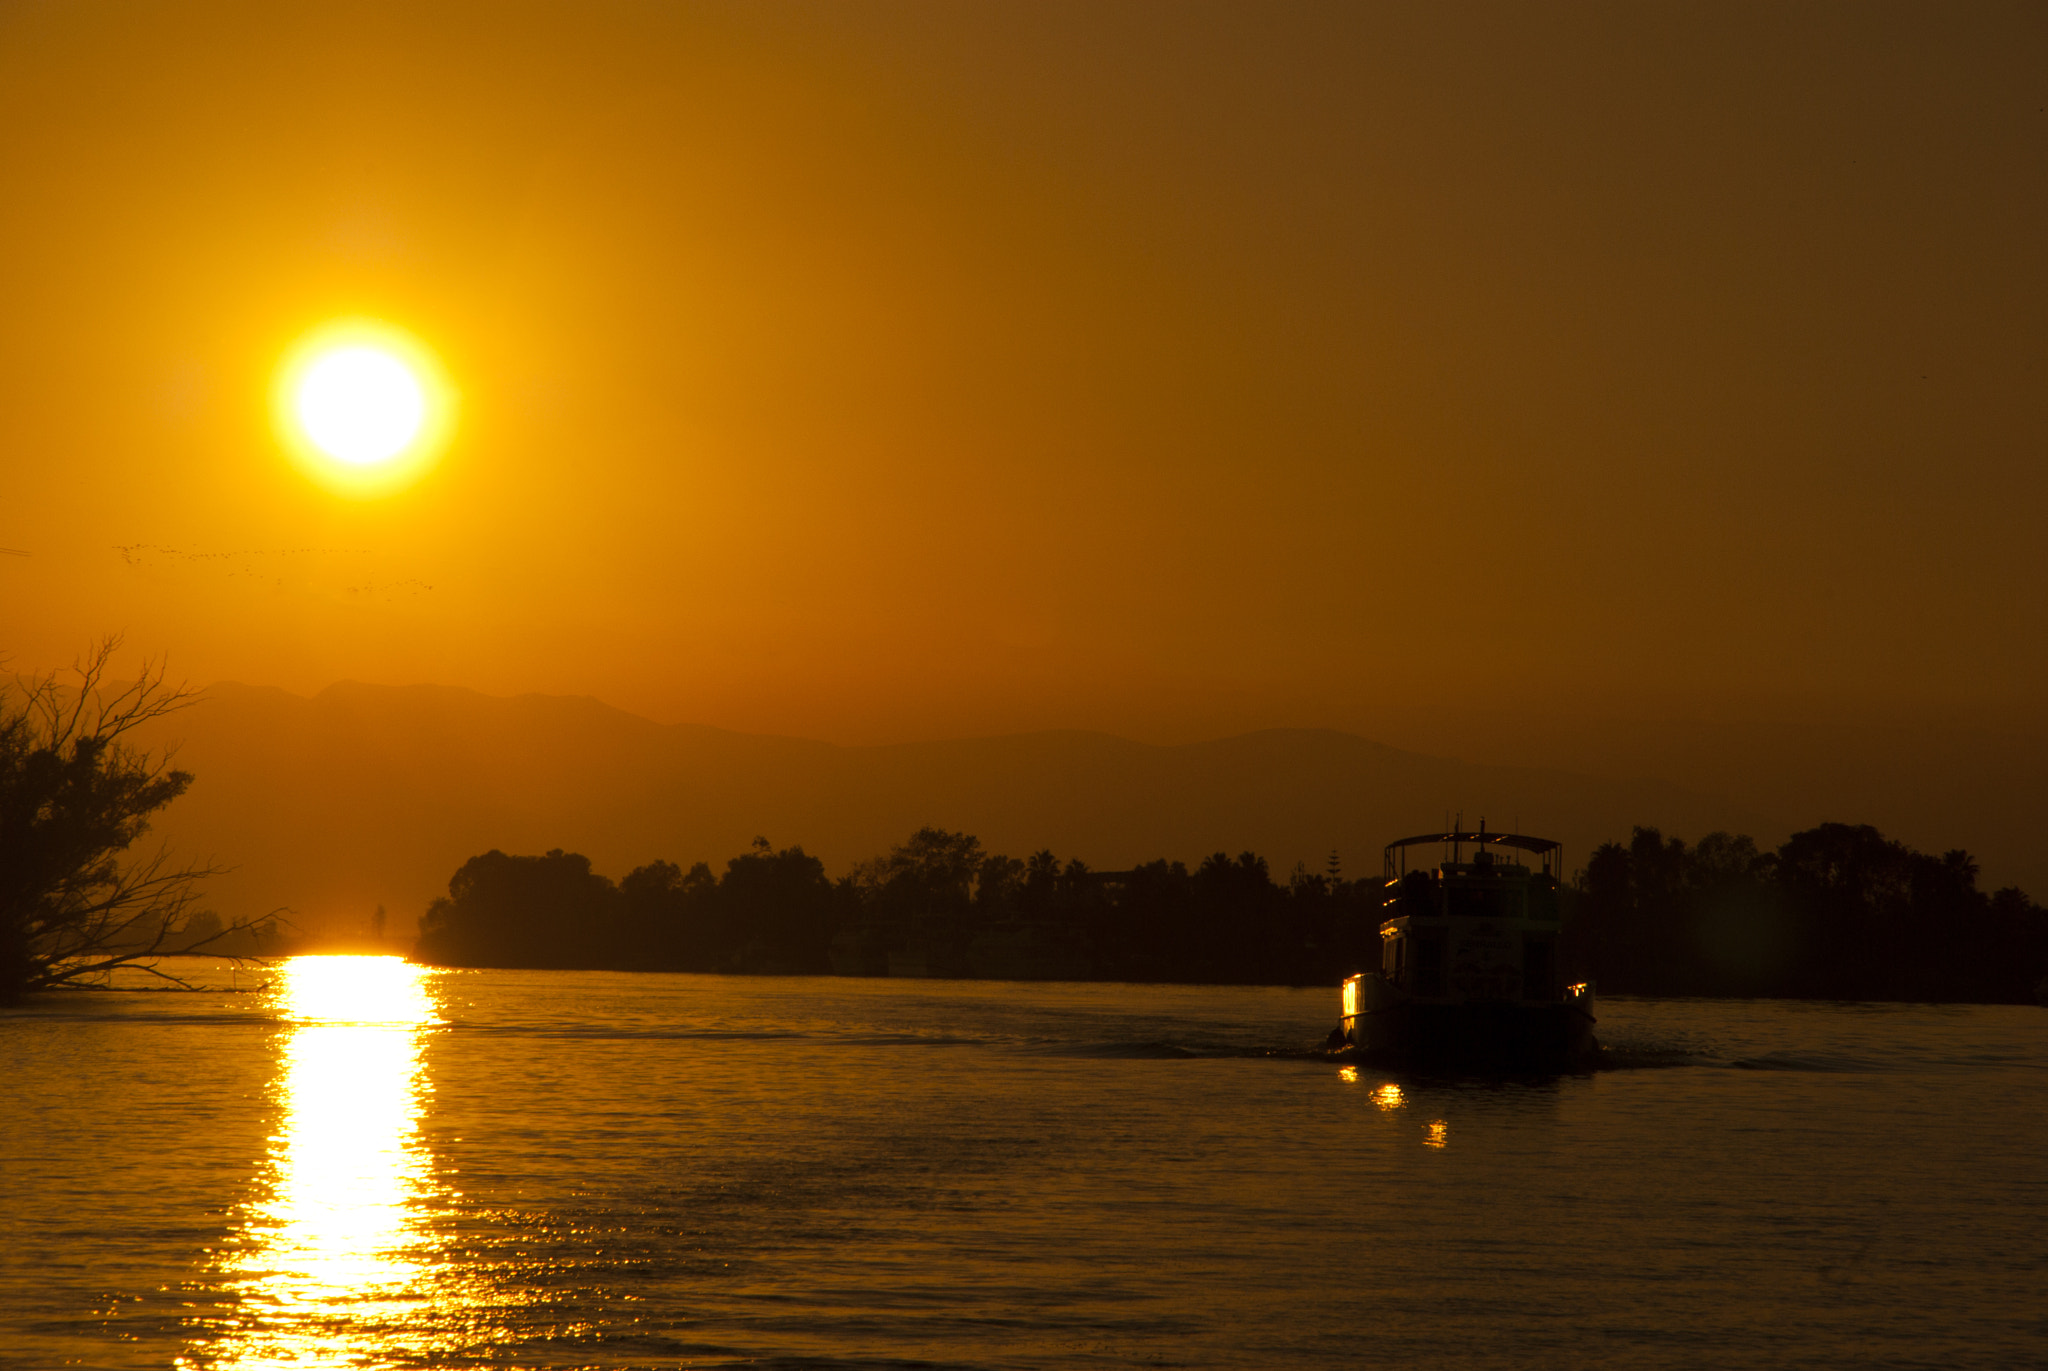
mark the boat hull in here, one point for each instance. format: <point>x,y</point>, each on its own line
<point>1486,1035</point>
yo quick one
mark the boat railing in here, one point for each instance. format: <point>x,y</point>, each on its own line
<point>1453,842</point>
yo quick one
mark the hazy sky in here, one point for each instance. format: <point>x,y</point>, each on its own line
<point>895,371</point>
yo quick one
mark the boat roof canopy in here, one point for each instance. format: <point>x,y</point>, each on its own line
<point>1520,840</point>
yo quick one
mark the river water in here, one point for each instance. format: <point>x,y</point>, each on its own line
<point>369,1164</point>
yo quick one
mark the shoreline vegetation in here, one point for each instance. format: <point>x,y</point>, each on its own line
<point>76,794</point>
<point>1837,912</point>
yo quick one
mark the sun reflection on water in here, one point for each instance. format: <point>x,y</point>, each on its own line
<point>335,1261</point>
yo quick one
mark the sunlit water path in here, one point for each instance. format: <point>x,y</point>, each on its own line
<point>370,1164</point>
<point>333,1264</point>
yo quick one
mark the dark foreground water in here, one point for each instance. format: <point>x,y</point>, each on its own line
<point>370,1165</point>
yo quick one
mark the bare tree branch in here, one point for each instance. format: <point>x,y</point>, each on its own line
<point>75,795</point>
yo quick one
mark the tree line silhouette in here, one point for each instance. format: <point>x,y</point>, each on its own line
<point>936,905</point>
<point>1838,911</point>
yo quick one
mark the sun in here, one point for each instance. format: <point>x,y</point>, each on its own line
<point>360,405</point>
<point>363,406</point>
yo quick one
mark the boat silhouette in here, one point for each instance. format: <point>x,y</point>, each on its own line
<point>1468,975</point>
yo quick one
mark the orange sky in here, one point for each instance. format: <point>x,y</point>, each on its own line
<point>886,372</point>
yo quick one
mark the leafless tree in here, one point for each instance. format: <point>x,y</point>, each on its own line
<point>75,794</point>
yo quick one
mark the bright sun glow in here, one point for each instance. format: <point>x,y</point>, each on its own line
<point>363,406</point>
<point>335,1264</point>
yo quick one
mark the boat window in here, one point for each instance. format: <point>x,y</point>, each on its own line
<point>1429,964</point>
<point>1485,901</point>
<point>1538,979</point>
<point>1417,894</point>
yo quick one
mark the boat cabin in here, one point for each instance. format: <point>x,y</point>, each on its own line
<point>1480,925</point>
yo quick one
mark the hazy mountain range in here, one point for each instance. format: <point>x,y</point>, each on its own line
<point>366,795</point>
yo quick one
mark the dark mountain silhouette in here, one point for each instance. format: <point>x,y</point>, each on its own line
<point>370,795</point>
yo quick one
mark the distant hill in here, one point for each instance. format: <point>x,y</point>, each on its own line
<point>366,795</point>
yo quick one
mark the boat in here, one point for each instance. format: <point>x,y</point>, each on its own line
<point>1468,975</point>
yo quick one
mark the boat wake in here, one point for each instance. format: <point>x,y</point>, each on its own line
<point>1804,1061</point>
